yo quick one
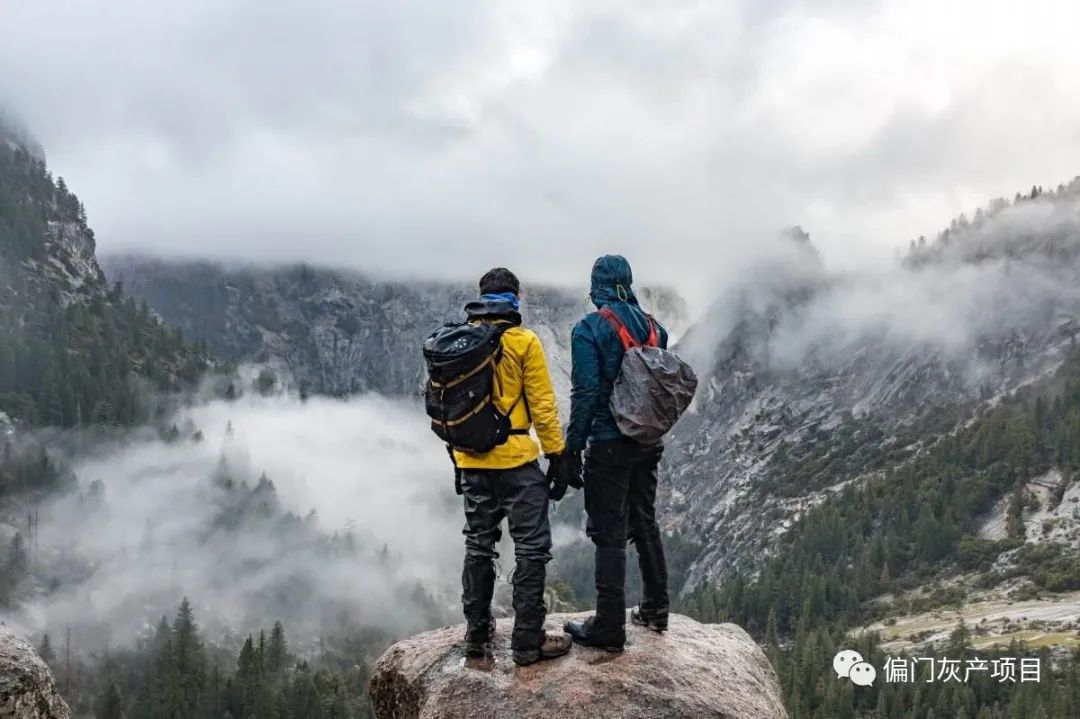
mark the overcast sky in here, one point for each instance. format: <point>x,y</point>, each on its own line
<point>440,138</point>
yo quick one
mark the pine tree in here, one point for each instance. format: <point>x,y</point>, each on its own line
<point>249,679</point>
<point>265,382</point>
<point>187,671</point>
<point>45,650</point>
<point>17,561</point>
<point>277,650</point>
<point>110,705</point>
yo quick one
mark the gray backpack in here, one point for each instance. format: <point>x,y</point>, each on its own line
<point>654,386</point>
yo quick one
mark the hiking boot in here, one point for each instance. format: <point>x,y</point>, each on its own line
<point>657,623</point>
<point>586,633</point>
<point>654,580</point>
<point>552,648</point>
<point>478,641</point>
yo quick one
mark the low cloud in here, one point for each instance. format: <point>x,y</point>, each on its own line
<point>360,529</point>
<point>979,294</point>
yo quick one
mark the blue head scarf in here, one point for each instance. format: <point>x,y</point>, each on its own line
<point>503,297</point>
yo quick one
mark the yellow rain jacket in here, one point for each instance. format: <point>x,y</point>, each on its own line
<point>522,381</point>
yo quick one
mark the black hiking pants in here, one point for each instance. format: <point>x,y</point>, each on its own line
<point>620,499</point>
<point>521,496</point>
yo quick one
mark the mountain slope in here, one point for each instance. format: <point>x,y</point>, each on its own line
<point>815,379</point>
<point>69,346</point>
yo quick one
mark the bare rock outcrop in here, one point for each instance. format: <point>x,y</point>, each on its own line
<point>693,671</point>
<point>27,688</point>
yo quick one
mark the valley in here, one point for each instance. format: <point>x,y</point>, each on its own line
<point>884,458</point>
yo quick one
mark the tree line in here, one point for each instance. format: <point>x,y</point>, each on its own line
<point>175,674</point>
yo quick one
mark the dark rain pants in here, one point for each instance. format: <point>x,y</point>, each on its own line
<point>521,496</point>
<point>620,499</point>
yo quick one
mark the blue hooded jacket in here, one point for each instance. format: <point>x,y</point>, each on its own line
<point>597,352</point>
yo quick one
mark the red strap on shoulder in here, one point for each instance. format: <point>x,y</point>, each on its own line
<point>625,337</point>
<point>654,340</point>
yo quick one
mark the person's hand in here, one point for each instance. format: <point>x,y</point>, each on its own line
<point>556,476</point>
<point>572,469</point>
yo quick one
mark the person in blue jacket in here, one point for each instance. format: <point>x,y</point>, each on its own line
<point>620,474</point>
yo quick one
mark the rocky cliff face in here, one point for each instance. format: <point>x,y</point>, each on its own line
<point>66,263</point>
<point>811,380</point>
<point>337,332</point>
<point>692,671</point>
<point>66,270</point>
<point>27,688</point>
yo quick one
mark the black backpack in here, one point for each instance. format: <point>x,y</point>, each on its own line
<point>460,392</point>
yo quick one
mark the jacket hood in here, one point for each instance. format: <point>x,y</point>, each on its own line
<point>611,280</point>
<point>492,309</point>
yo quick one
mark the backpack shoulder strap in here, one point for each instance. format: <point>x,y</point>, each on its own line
<point>621,330</point>
<point>654,338</point>
<point>624,335</point>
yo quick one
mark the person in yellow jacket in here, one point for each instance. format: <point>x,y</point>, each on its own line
<point>508,482</point>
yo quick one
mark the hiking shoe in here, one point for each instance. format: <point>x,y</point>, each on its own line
<point>584,633</point>
<point>478,641</point>
<point>552,648</point>
<point>657,623</point>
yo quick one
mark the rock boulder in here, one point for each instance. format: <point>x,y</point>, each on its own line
<point>691,672</point>
<point>27,688</point>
